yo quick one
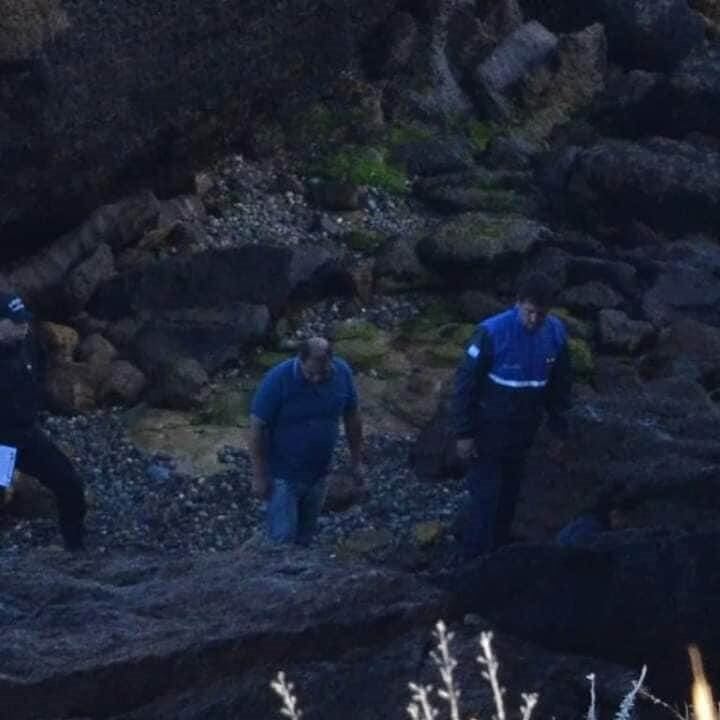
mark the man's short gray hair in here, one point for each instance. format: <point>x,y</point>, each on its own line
<point>315,347</point>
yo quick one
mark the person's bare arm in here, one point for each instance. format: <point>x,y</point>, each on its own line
<point>354,433</point>
<point>259,457</point>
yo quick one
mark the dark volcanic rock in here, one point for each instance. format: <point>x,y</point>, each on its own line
<point>642,103</point>
<point>213,337</point>
<point>434,157</point>
<point>649,34</point>
<point>479,240</point>
<point>497,78</point>
<point>665,184</point>
<point>251,273</point>
<point>98,100</point>
<point>591,600</point>
<point>83,255</point>
<point>151,637</point>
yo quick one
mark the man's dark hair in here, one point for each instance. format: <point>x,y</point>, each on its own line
<point>536,288</point>
<point>314,346</point>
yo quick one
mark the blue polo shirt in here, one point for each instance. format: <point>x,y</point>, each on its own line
<point>303,418</point>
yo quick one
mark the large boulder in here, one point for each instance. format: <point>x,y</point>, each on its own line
<point>70,387</point>
<point>398,267</point>
<point>617,332</point>
<point>665,184</point>
<point>588,600</point>
<point>69,270</point>
<point>213,337</point>
<point>257,274</point>
<point>535,80</point>
<point>474,241</point>
<point>100,100</point>
<point>83,280</point>
<point>498,77</point>
<point>683,290</point>
<point>346,635</point>
<point>179,384</point>
<point>478,190</point>
<point>641,103</point>
<point>124,384</point>
<point>687,348</point>
<point>651,34</point>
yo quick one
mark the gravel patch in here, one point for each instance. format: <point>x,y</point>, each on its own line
<point>139,501</point>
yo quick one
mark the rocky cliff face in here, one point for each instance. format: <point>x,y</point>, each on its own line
<point>95,101</point>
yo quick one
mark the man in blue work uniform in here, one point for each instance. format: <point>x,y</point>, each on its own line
<point>294,427</point>
<point>515,368</point>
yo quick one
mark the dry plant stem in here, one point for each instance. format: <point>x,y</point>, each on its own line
<point>625,710</point>
<point>285,690</point>
<point>644,692</point>
<point>446,664</point>
<point>420,708</point>
<point>529,702</point>
<point>592,713</point>
<point>489,661</point>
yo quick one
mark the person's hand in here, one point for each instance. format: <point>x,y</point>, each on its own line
<point>261,485</point>
<point>465,449</point>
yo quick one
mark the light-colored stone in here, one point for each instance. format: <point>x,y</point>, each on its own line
<point>59,341</point>
<point>125,383</point>
<point>70,387</point>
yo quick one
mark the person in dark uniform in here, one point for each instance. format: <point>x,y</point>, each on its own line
<point>21,391</point>
<point>515,369</point>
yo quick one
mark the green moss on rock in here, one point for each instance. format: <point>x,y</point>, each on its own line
<point>447,343</point>
<point>365,240</point>
<point>229,409</point>
<point>270,358</point>
<point>582,359</point>
<point>480,134</point>
<point>361,343</point>
<point>363,166</point>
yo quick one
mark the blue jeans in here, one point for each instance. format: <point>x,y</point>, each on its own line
<point>494,485</point>
<point>293,510</point>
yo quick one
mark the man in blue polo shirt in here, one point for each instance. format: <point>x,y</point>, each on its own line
<point>294,426</point>
<point>515,369</point>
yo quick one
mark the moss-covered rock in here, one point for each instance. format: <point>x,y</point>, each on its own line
<point>582,359</point>
<point>363,166</point>
<point>423,327</point>
<point>361,354</point>
<point>476,240</point>
<point>428,533</point>
<point>447,344</point>
<point>362,344</point>
<point>228,409</point>
<point>402,134</point>
<point>356,329</point>
<point>366,241</point>
<point>480,134</point>
<point>365,542</point>
<point>270,358</point>
<point>576,328</point>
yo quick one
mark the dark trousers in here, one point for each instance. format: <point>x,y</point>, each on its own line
<point>494,485</point>
<point>38,456</point>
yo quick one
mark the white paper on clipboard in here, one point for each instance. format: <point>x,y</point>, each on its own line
<point>7,464</point>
